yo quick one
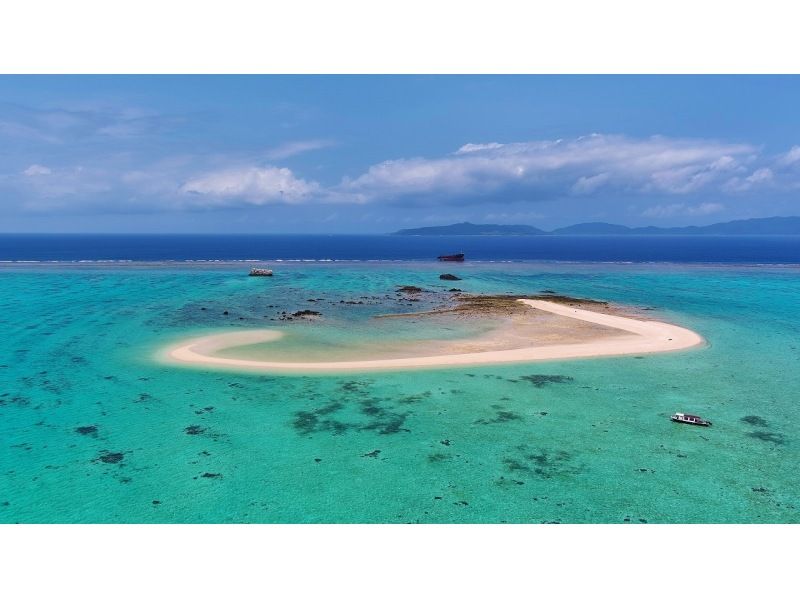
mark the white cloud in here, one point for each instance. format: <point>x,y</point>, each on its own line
<point>287,150</point>
<point>673,171</point>
<point>36,170</point>
<point>476,147</point>
<point>760,176</point>
<point>580,166</point>
<point>588,184</point>
<point>791,157</point>
<point>248,185</point>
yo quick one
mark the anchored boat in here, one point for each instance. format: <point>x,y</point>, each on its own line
<point>694,420</point>
<point>456,257</point>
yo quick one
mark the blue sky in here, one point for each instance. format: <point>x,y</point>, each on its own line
<point>374,154</point>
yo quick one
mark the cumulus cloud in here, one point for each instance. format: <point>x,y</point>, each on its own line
<point>250,185</point>
<point>577,166</point>
<point>760,176</point>
<point>681,175</point>
<point>791,157</point>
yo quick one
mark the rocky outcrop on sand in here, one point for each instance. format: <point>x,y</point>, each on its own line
<point>305,313</point>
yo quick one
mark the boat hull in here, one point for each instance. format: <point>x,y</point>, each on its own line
<point>703,423</point>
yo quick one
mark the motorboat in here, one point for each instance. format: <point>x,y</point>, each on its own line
<point>694,420</point>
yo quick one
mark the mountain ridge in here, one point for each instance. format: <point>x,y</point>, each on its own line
<point>775,225</point>
<point>467,228</point>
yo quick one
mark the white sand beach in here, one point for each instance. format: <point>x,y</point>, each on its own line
<point>629,336</point>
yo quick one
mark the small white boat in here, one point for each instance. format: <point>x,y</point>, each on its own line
<point>694,420</point>
<point>260,272</point>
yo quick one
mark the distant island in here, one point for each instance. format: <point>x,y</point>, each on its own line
<point>467,228</point>
<point>778,225</point>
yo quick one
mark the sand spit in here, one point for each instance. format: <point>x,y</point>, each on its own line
<point>634,336</point>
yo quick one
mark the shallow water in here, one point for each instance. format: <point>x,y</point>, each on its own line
<point>96,429</point>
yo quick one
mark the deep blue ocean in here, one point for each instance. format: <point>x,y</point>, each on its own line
<point>630,248</point>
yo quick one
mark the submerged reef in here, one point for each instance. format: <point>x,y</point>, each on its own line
<point>542,463</point>
<point>755,420</point>
<point>541,380</point>
<point>87,431</point>
<point>356,410</point>
<point>110,457</point>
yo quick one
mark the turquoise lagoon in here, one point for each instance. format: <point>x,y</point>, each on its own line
<point>95,428</point>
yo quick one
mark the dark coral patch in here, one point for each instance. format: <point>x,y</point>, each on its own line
<point>772,437</point>
<point>543,463</point>
<point>438,457</point>
<point>383,420</point>
<point>540,380</point>
<point>414,398</point>
<point>354,386</point>
<point>87,431</point>
<point>755,420</point>
<point>19,401</point>
<point>194,430</point>
<point>371,415</point>
<point>307,422</point>
<point>110,457</point>
<point>500,418</point>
